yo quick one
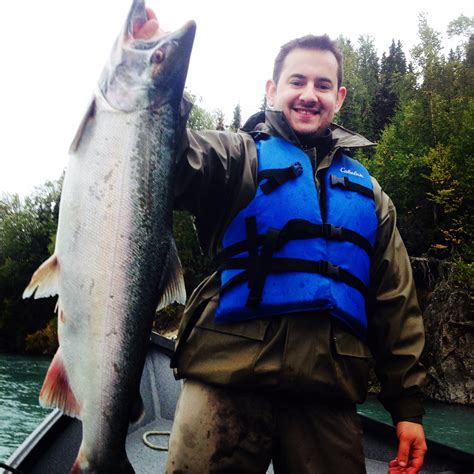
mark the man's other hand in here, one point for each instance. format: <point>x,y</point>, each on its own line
<point>411,448</point>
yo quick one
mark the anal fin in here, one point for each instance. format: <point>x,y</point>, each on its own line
<point>137,410</point>
<point>172,283</point>
<point>56,391</point>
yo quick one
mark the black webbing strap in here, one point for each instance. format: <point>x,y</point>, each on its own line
<point>277,177</point>
<point>299,229</point>
<point>345,183</point>
<point>285,265</point>
<point>251,233</point>
<point>261,267</point>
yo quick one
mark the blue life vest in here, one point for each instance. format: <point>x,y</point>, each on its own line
<point>292,251</point>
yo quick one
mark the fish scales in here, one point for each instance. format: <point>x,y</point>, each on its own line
<point>117,221</point>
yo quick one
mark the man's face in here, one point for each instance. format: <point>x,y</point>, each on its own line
<point>307,91</point>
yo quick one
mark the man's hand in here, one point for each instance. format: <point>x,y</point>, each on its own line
<point>411,449</point>
<point>150,28</point>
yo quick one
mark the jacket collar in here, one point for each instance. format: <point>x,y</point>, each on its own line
<point>273,122</point>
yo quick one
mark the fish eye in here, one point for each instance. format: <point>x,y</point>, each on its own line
<point>157,56</point>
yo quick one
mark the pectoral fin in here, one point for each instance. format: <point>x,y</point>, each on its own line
<point>44,281</point>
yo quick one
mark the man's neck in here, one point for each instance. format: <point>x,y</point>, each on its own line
<point>322,143</point>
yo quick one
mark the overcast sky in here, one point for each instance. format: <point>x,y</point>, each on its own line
<point>52,52</point>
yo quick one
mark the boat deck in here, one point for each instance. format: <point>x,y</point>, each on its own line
<point>53,446</point>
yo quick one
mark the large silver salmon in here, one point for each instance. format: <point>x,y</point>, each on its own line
<point>115,260</point>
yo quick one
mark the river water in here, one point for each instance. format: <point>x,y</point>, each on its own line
<point>445,423</point>
<point>21,378</point>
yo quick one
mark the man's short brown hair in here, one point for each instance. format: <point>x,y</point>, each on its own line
<point>321,43</point>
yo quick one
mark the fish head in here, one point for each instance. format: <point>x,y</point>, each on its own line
<point>144,74</point>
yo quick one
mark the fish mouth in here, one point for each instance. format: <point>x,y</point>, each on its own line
<point>137,17</point>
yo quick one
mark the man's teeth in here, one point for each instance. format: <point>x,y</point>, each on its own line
<point>307,112</point>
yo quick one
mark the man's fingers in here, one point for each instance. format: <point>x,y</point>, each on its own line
<point>147,30</point>
<point>151,28</point>
<point>150,13</point>
<point>416,461</point>
<point>403,452</point>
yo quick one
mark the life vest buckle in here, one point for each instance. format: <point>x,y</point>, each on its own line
<point>276,177</point>
<point>339,181</point>
<point>297,169</point>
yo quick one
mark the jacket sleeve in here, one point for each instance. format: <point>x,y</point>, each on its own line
<point>214,174</point>
<point>396,333</point>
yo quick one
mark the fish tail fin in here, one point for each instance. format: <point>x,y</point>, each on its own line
<point>56,391</point>
<point>44,281</point>
<point>81,464</point>
<point>117,464</point>
<point>172,283</point>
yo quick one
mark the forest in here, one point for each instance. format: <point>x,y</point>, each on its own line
<point>418,106</point>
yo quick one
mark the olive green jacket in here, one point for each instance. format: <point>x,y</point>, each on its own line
<point>308,354</point>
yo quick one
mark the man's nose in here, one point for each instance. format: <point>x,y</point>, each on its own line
<point>309,94</point>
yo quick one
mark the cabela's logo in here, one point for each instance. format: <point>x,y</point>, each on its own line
<point>351,172</point>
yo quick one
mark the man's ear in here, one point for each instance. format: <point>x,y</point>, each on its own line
<point>270,92</point>
<point>341,95</point>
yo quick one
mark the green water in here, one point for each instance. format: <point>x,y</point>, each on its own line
<point>21,379</point>
<point>447,424</point>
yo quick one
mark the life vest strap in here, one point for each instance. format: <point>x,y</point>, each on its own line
<point>290,265</point>
<point>297,229</point>
<point>276,177</point>
<point>345,183</point>
<point>259,269</point>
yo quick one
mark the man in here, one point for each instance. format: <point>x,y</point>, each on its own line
<point>312,280</point>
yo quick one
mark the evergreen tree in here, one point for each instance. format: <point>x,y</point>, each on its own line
<point>368,72</point>
<point>393,76</point>
<point>219,119</point>
<point>350,114</point>
<point>237,119</point>
<point>424,158</point>
<point>361,70</point>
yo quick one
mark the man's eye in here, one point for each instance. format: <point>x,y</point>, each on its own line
<point>296,83</point>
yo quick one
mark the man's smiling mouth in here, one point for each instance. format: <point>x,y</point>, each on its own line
<point>306,112</point>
